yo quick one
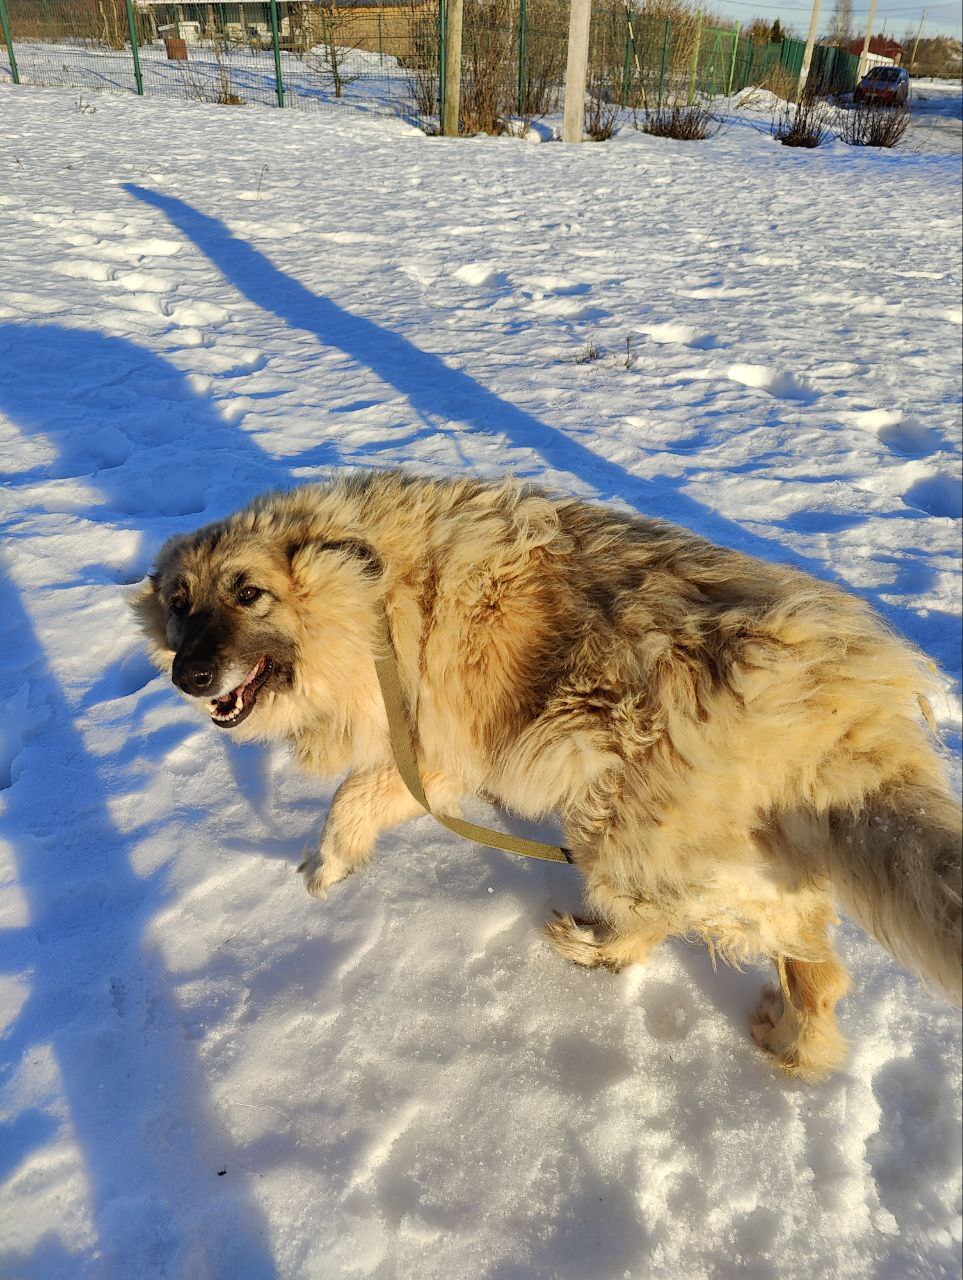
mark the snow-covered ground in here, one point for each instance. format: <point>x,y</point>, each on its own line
<point>937,107</point>
<point>208,1074</point>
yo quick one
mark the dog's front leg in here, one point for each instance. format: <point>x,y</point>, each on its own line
<point>366,804</point>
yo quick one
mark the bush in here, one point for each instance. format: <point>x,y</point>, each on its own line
<point>688,123</point>
<point>801,124</point>
<point>601,112</point>
<point>871,125</point>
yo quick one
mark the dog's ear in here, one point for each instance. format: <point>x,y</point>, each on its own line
<point>302,554</point>
<point>149,612</point>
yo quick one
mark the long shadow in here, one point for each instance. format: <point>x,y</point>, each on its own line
<point>450,399</point>
<point>99,997</point>
<point>135,1093</point>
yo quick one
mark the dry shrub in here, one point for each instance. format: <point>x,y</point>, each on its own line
<point>546,49</point>
<point>802,124</point>
<point>421,61</point>
<point>601,109</point>
<point>872,125</point>
<point>687,123</point>
<point>489,66</point>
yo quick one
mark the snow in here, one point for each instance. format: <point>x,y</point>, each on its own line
<point>205,1072</point>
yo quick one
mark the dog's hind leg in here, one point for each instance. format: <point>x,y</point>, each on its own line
<point>590,944</point>
<point>796,1021</point>
<point>365,805</point>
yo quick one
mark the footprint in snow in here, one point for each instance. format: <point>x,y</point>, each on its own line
<point>683,334</point>
<point>937,495</point>
<point>477,274</point>
<point>906,437</point>
<point>669,1014</point>
<point>784,386</point>
<point>143,282</point>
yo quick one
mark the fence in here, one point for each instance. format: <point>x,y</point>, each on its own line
<point>388,55</point>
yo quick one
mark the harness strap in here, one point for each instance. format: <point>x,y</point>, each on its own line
<point>403,747</point>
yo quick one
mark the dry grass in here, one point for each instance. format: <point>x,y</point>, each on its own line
<point>781,83</point>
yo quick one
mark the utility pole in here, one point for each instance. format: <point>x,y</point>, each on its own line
<point>453,23</point>
<point>861,69</point>
<point>808,55</point>
<point>916,44</point>
<point>576,70</point>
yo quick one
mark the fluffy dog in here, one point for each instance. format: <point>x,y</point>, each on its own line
<point>733,746</point>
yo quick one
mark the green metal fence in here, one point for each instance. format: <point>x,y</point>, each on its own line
<point>388,55</point>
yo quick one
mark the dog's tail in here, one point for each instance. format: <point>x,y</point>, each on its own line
<point>895,864</point>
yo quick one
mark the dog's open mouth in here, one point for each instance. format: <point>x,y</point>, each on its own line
<point>237,705</point>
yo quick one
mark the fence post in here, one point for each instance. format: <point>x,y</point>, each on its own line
<point>863,63</point>
<point>665,55</point>
<point>522,36</point>
<point>576,70</point>
<point>810,43</point>
<point>627,60</point>
<point>134,51</point>
<point>454,10</point>
<point>694,65</point>
<point>5,24</point>
<point>278,82</point>
<point>732,64</point>
<point>442,50</point>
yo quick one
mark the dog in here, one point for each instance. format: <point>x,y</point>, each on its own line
<point>733,746</point>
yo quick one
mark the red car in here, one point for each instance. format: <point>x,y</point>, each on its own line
<point>886,85</point>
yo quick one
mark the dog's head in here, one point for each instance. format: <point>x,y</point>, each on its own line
<point>220,617</point>
<point>262,612</point>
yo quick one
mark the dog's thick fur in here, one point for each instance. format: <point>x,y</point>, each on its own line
<point>732,745</point>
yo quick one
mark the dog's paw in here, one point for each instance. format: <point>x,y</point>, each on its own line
<point>767,1017</point>
<point>573,940</point>
<point>322,874</point>
<point>801,1048</point>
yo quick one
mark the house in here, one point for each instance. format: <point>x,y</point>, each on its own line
<point>882,51</point>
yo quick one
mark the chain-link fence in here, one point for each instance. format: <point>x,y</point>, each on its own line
<point>389,55</point>
<point>291,55</point>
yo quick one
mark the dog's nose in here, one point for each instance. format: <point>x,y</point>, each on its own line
<point>194,678</point>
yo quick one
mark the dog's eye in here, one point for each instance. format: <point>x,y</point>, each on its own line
<point>247,595</point>
<point>178,602</point>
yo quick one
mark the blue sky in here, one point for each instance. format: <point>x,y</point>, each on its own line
<point>897,15</point>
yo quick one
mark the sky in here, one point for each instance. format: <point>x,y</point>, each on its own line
<point>892,16</point>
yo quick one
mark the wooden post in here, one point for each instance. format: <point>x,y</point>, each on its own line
<point>576,71</point>
<point>861,69</point>
<point>732,64</point>
<point>808,54</point>
<point>665,55</point>
<point>455,9</point>
<point>694,65</point>
<point>916,44</point>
